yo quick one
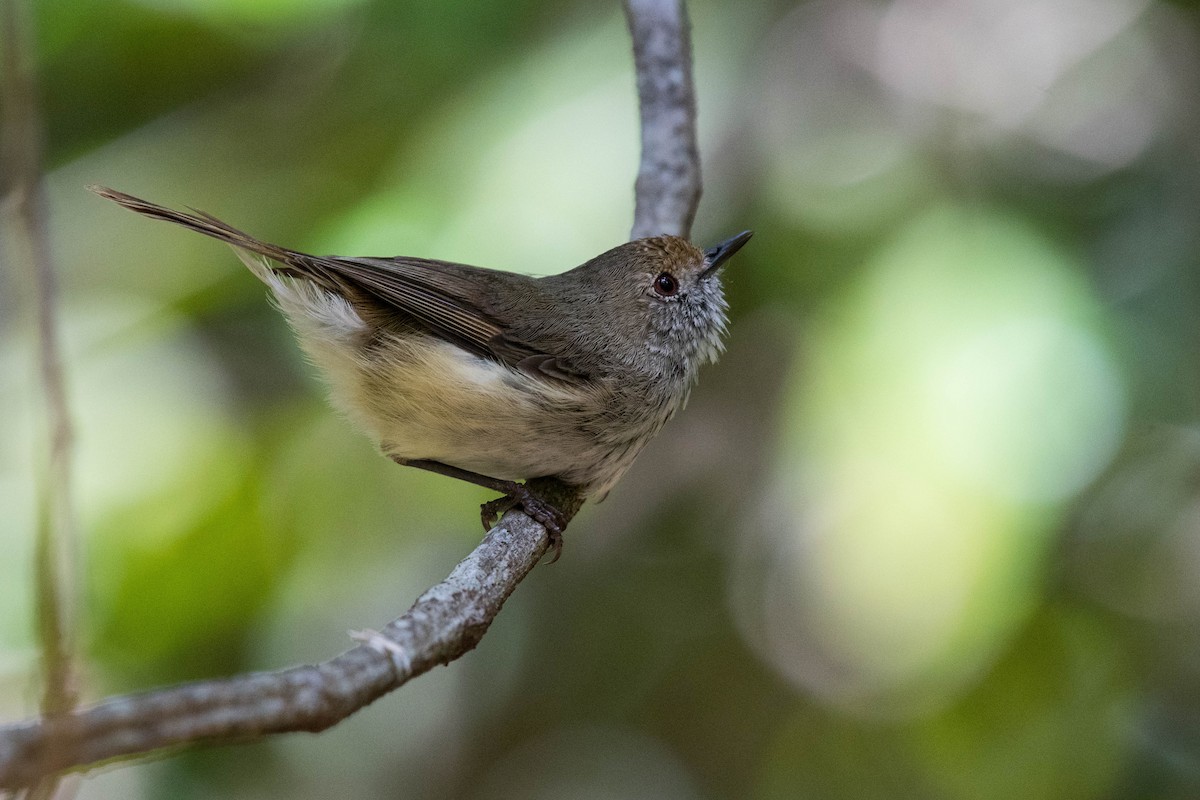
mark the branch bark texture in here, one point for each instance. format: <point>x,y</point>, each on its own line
<point>445,622</point>
<point>667,190</point>
<point>449,619</point>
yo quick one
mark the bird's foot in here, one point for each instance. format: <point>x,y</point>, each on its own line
<point>541,511</point>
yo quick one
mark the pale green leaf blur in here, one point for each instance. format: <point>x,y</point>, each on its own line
<point>930,529</point>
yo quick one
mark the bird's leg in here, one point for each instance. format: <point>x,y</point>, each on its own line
<point>545,513</point>
<point>515,494</point>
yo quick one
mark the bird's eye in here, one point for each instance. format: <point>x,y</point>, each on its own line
<point>666,285</point>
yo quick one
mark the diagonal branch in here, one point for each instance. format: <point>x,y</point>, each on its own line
<point>445,622</point>
<point>449,619</point>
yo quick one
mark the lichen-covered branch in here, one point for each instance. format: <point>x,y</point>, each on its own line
<point>667,191</point>
<point>449,619</point>
<point>445,622</point>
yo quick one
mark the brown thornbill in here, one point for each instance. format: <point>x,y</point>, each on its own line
<point>493,377</point>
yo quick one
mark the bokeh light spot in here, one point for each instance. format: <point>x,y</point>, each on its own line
<point>952,401</point>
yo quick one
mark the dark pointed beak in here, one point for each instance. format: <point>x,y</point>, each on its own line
<point>716,256</point>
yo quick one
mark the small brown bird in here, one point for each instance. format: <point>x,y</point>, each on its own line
<point>493,377</point>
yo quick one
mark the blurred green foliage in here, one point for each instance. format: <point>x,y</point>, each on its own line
<point>928,530</point>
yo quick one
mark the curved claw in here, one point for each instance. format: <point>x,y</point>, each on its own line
<point>491,511</point>
<point>541,511</point>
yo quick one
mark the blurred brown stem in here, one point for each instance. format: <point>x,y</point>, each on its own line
<point>27,251</point>
<point>449,619</point>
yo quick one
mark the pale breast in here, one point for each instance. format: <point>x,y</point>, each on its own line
<point>422,398</point>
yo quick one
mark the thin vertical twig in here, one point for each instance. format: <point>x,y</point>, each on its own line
<point>27,251</point>
<point>667,191</point>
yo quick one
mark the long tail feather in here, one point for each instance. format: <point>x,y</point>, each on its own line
<point>201,223</point>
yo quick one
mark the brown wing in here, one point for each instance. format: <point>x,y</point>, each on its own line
<point>433,294</point>
<point>436,294</point>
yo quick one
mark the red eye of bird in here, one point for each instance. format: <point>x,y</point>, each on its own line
<point>666,285</point>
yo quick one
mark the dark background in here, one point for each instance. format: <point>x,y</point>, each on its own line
<point>931,529</point>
